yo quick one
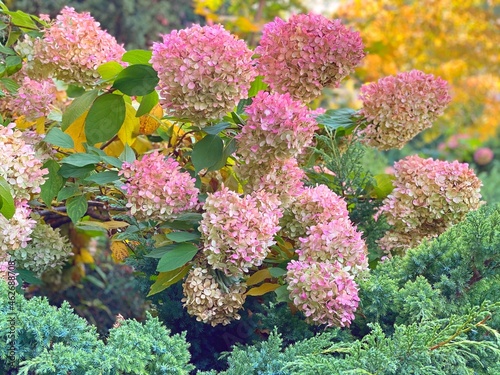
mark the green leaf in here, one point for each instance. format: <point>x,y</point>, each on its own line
<point>217,128</point>
<point>207,152</point>
<point>74,91</point>
<point>109,70</point>
<point>6,50</point>
<point>10,85</point>
<point>7,206</point>
<point>105,118</point>
<point>127,154</point>
<point>76,207</point>
<point>81,159</point>
<point>137,80</point>
<point>111,160</point>
<point>237,118</point>
<point>229,149</point>
<point>340,121</point>
<point>147,104</point>
<point>13,64</point>
<point>56,137</point>
<point>183,236</point>
<point>177,257</point>
<point>282,294</point>
<point>27,276</point>
<point>256,86</point>
<point>166,279</point>
<point>277,272</point>
<point>77,108</point>
<point>160,251</point>
<point>383,186</point>
<point>103,177</point>
<point>22,20</point>
<point>68,170</point>
<point>53,184</point>
<point>137,56</point>
<point>67,192</point>
<point>3,25</point>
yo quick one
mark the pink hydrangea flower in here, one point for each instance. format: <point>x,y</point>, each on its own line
<point>203,71</point>
<point>277,128</point>
<point>34,98</point>
<point>15,232</point>
<point>397,108</point>
<point>157,189</point>
<point>323,291</point>
<point>306,54</point>
<point>20,166</point>
<point>72,48</point>
<point>313,205</point>
<point>5,274</point>
<point>428,197</point>
<point>483,156</point>
<point>335,241</point>
<point>238,231</point>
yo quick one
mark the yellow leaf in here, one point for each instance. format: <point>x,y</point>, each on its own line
<point>141,145</point>
<point>263,289</point>
<point>77,132</point>
<point>151,121</point>
<point>119,251</point>
<point>130,127</point>
<point>22,124</point>
<point>165,279</point>
<point>86,257</point>
<point>258,276</point>
<point>40,125</point>
<point>115,148</point>
<point>246,26</point>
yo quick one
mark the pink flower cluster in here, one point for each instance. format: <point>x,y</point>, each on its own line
<point>277,128</point>
<point>15,232</point>
<point>211,302</point>
<point>397,108</point>
<point>34,98</point>
<point>323,291</point>
<point>483,156</point>
<point>428,197</point>
<point>203,71</point>
<point>157,189</point>
<point>72,48</point>
<point>306,54</point>
<point>238,231</point>
<point>335,240</point>
<point>20,166</point>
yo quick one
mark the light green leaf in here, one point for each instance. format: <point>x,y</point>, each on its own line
<point>277,272</point>
<point>257,85</point>
<point>105,118</point>
<point>137,56</point>
<point>81,159</point>
<point>183,236</point>
<point>7,206</point>
<point>147,104</point>
<point>177,257</point>
<point>56,137</point>
<point>109,70</point>
<point>127,154</point>
<point>166,279</point>
<point>77,108</point>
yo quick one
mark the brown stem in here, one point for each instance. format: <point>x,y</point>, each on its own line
<point>458,332</point>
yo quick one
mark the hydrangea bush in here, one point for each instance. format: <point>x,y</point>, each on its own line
<point>220,196</point>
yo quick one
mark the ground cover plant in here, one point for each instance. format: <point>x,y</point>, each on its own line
<point>201,180</point>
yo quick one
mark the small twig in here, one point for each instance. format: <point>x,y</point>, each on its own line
<point>107,143</point>
<point>459,332</point>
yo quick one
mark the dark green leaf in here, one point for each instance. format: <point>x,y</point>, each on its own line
<point>237,118</point>
<point>81,159</point>
<point>240,108</point>
<point>57,138</point>
<point>277,272</point>
<point>160,251</point>
<point>13,64</point>
<point>53,184</point>
<point>340,121</point>
<point>229,149</point>
<point>67,192</point>
<point>103,177</point>
<point>68,170</point>
<point>183,236</point>
<point>28,277</point>
<point>6,50</point>
<point>77,108</point>
<point>257,85</point>
<point>217,128</point>
<point>105,118</point>
<point>207,152</point>
<point>10,85</point>
<point>76,207</point>
<point>148,102</point>
<point>7,206</point>
<point>138,80</point>
<point>177,257</point>
<point>137,56</point>
<point>282,294</point>
<point>74,91</point>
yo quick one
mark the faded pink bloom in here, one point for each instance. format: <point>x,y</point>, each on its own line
<point>483,156</point>
<point>428,197</point>
<point>397,108</point>
<point>238,231</point>
<point>34,98</point>
<point>306,54</point>
<point>15,232</point>
<point>157,189</point>
<point>4,273</point>
<point>20,166</point>
<point>71,49</point>
<point>323,291</point>
<point>335,241</point>
<point>204,72</point>
<point>209,301</point>
<point>277,128</point>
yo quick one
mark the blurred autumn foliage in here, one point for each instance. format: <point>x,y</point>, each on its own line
<point>455,39</point>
